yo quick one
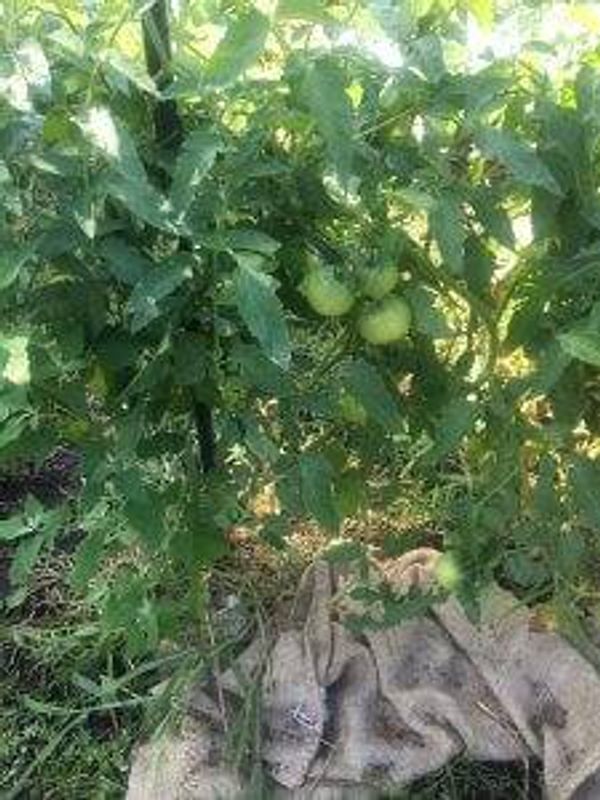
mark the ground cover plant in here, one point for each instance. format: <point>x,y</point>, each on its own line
<point>270,263</point>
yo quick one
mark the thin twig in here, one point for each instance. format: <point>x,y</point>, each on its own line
<point>217,672</point>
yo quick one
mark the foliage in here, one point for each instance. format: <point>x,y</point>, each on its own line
<point>157,228</point>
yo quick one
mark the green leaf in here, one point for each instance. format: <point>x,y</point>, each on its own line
<point>258,442</point>
<point>572,555</point>
<point>11,529</point>
<point>11,263</point>
<point>416,198</point>
<point>525,571</point>
<point>128,182</point>
<point>494,219</point>
<point>344,551</point>
<point>110,138</point>
<point>483,11</point>
<point>550,366</point>
<point>308,10</point>
<point>325,87</point>
<point>383,608</point>
<point>42,527</point>
<point>317,489</point>
<point>143,507</point>
<point>585,482</point>
<point>129,610</point>
<point>197,540</point>
<point>521,160</point>
<point>364,382</point>
<point>447,226</point>
<point>274,530</point>
<point>84,212</point>
<point>123,72</point>
<point>582,344</point>
<point>191,359</point>
<point>479,266</point>
<point>238,50</point>
<point>122,604</point>
<point>12,428</point>
<point>427,54</point>
<point>195,161</point>
<point>144,301</point>
<point>428,318</point>
<point>544,212</point>
<point>262,312</point>
<point>142,200</point>
<point>259,372</point>
<point>25,558</point>
<point>248,239</point>
<point>88,558</point>
<point>93,689</point>
<point>455,421</point>
<point>128,429</point>
<point>127,264</point>
<point>351,492</point>
<point>587,93</point>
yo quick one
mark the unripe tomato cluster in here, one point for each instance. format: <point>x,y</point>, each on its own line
<point>385,317</point>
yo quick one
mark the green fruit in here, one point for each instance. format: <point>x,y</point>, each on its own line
<point>389,95</point>
<point>447,572</point>
<point>352,410</point>
<point>388,322</point>
<point>379,282</point>
<point>326,294</point>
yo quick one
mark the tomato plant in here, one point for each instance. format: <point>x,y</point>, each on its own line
<point>169,181</point>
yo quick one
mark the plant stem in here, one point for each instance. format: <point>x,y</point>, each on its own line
<point>169,137</point>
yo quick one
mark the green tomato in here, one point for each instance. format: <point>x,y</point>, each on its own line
<point>447,572</point>
<point>388,322</point>
<point>389,95</point>
<point>326,294</point>
<point>352,410</point>
<point>379,282</point>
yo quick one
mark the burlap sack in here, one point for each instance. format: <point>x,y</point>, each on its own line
<point>347,716</point>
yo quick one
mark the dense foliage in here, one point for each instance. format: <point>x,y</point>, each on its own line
<point>325,248</point>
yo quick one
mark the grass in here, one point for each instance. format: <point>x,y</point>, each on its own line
<point>465,780</point>
<point>88,765</point>
<point>46,755</point>
<point>72,702</point>
<point>52,744</point>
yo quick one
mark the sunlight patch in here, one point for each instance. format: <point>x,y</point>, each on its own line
<point>100,128</point>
